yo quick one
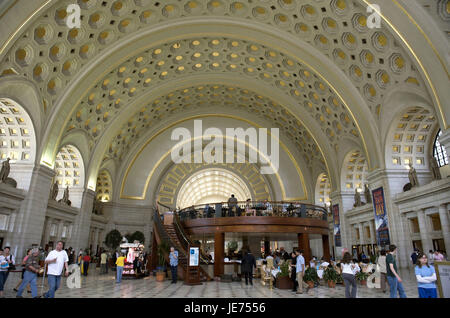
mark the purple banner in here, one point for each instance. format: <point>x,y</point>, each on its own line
<point>381,219</point>
<point>337,226</point>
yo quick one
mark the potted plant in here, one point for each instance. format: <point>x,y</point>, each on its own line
<point>362,277</point>
<point>113,239</point>
<point>283,280</point>
<point>311,277</point>
<point>339,279</point>
<point>163,248</point>
<point>232,246</point>
<point>331,277</point>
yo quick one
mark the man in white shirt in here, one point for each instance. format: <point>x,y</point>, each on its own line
<point>300,269</point>
<point>56,260</point>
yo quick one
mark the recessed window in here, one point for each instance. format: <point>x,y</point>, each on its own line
<point>439,151</point>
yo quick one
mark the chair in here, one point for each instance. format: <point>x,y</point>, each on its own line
<point>266,276</point>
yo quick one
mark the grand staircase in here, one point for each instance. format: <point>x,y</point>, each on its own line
<point>175,236</point>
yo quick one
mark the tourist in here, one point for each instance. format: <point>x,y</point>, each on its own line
<point>11,262</point>
<point>232,204</point>
<point>3,270</point>
<point>284,255</point>
<point>276,260</point>
<point>103,262</point>
<point>247,265</point>
<point>349,269</point>
<point>431,257</point>
<point>120,263</point>
<point>300,270</point>
<point>426,278</point>
<point>438,257</point>
<point>57,260</point>
<point>173,256</point>
<point>23,272</point>
<point>394,280</point>
<point>30,277</point>
<point>381,263</point>
<point>86,262</point>
<point>414,256</point>
<point>293,271</point>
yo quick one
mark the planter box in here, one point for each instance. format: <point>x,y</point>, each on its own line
<point>284,283</point>
<point>160,276</point>
<point>331,284</point>
<point>310,284</point>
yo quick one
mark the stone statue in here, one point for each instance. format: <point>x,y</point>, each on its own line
<point>5,170</point>
<point>367,194</point>
<point>357,199</point>
<point>55,190</point>
<point>435,168</point>
<point>412,175</point>
<point>65,198</point>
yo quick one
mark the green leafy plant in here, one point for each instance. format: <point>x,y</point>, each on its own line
<point>113,239</point>
<point>284,269</point>
<point>361,276</point>
<point>232,246</point>
<point>163,248</point>
<point>330,274</point>
<point>373,258</point>
<point>339,280</point>
<point>311,275</point>
<point>137,236</point>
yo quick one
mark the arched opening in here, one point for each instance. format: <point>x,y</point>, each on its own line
<point>17,141</point>
<point>212,185</point>
<point>104,186</point>
<point>439,151</point>
<point>69,169</point>
<point>323,189</point>
<point>354,171</point>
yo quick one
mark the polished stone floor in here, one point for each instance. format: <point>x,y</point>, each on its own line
<point>104,286</point>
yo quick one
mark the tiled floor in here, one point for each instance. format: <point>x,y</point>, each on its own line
<point>104,286</point>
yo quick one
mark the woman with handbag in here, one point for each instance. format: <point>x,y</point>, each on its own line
<point>381,266</point>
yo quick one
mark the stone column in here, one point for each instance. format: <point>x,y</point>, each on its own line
<point>373,233</point>
<point>404,242</point>
<point>443,215</point>
<point>46,234</point>
<point>424,232</point>
<point>219,250</point>
<point>361,234</point>
<point>59,230</point>
<point>95,241</point>
<point>82,222</point>
<point>31,218</point>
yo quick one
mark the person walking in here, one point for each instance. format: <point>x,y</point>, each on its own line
<point>247,265</point>
<point>23,272</point>
<point>30,277</point>
<point>3,270</point>
<point>86,262</point>
<point>426,278</point>
<point>11,261</point>
<point>414,257</point>
<point>300,270</point>
<point>293,271</point>
<point>349,269</point>
<point>381,263</point>
<point>394,280</point>
<point>56,260</point>
<point>120,263</point>
<point>104,262</point>
<point>173,256</point>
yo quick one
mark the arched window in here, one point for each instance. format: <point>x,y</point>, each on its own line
<point>439,151</point>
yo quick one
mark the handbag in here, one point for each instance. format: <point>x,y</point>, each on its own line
<point>12,267</point>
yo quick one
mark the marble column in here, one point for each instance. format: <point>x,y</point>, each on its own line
<point>83,221</point>
<point>424,231</point>
<point>443,215</point>
<point>361,233</point>
<point>59,230</point>
<point>219,251</point>
<point>46,234</point>
<point>95,241</point>
<point>373,233</point>
<point>31,218</point>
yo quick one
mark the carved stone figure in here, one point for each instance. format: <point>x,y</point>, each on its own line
<point>367,194</point>
<point>65,198</point>
<point>5,170</point>
<point>357,199</point>
<point>435,168</point>
<point>412,175</point>
<point>55,190</point>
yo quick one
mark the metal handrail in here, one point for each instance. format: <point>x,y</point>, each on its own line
<point>266,208</point>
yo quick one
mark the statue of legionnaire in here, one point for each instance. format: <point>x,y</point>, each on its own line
<point>435,168</point>
<point>55,190</point>
<point>65,198</point>
<point>4,173</point>
<point>367,194</point>
<point>412,175</point>
<point>357,199</point>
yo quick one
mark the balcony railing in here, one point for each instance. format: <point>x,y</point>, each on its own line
<point>253,208</point>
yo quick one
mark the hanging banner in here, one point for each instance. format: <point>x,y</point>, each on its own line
<point>381,219</point>
<point>337,226</point>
